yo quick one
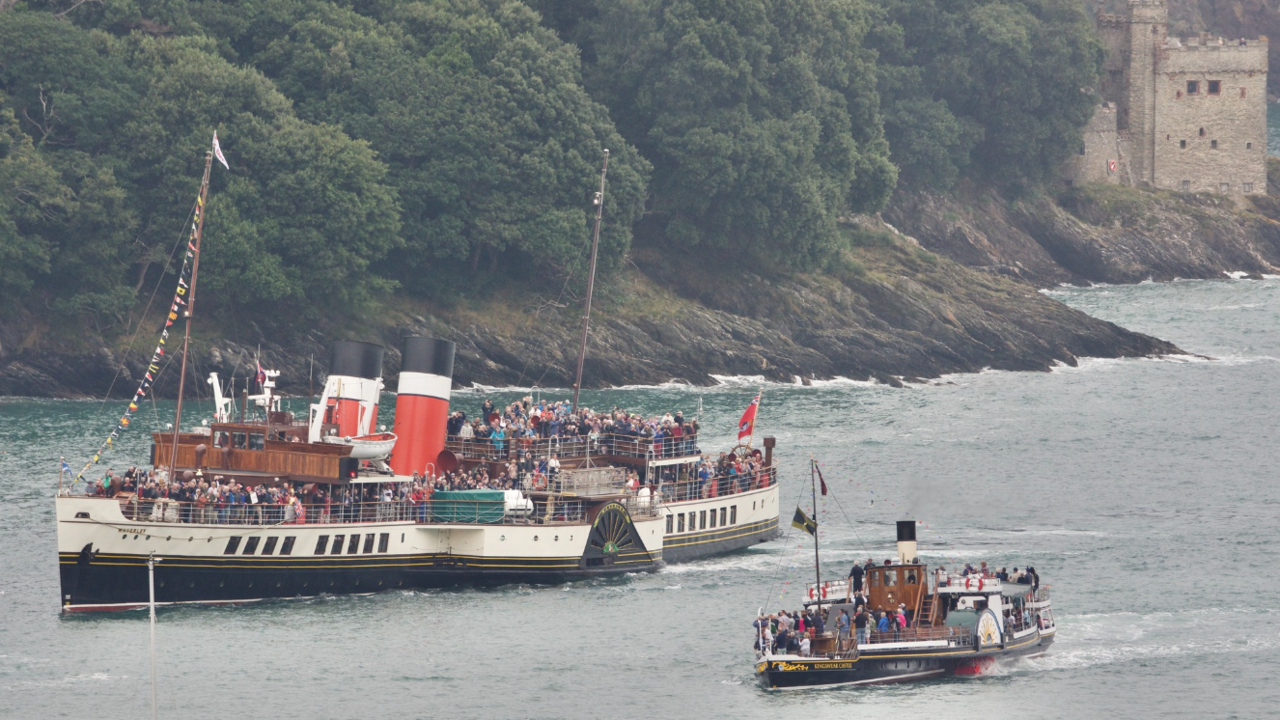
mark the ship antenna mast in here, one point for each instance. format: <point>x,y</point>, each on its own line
<point>190,311</point>
<point>591,283</point>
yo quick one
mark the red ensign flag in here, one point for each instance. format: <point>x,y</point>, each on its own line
<point>747,425</point>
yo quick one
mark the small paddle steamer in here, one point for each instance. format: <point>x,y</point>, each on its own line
<point>957,625</point>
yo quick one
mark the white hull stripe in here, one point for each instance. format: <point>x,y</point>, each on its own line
<point>425,385</point>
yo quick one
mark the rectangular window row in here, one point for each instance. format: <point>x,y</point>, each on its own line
<point>703,519</point>
<point>352,544</point>
<point>251,546</point>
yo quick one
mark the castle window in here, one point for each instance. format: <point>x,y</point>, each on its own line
<point>1215,87</point>
<point>1081,148</point>
<point>1182,144</point>
<point>1224,188</point>
<point>1193,87</point>
<point>1213,144</point>
<point>1201,132</point>
<point>1179,95</point>
<point>1248,146</point>
<point>1248,187</point>
<point>1242,92</point>
<point>1186,185</point>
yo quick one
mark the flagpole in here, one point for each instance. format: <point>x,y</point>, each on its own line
<point>591,284</point>
<point>191,309</point>
<point>151,588</point>
<point>817,569</point>
<point>759,399</point>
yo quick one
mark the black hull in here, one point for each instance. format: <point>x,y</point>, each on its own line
<point>120,582</point>
<point>697,546</point>
<point>902,666</point>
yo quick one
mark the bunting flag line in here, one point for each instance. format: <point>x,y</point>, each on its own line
<point>153,367</point>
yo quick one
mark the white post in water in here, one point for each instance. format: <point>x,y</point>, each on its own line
<point>151,588</point>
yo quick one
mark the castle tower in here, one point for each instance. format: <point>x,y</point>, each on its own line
<point>1148,27</point>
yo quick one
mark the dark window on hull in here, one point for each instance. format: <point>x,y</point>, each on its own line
<point>353,545</point>
<point>322,544</point>
<point>251,545</point>
<point>368,543</point>
<point>233,543</point>
<point>270,547</point>
<point>337,544</point>
<point>287,547</point>
<point>383,540</point>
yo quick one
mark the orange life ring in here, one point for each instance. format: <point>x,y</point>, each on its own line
<point>980,583</point>
<point>968,582</point>
<point>810,593</point>
<point>824,591</point>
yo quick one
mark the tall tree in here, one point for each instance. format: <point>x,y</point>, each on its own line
<point>761,116</point>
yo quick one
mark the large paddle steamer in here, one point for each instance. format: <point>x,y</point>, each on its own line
<point>587,521</point>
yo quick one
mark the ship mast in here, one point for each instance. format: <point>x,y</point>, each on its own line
<point>813,464</point>
<point>591,283</point>
<point>190,311</point>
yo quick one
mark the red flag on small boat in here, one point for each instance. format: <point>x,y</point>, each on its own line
<point>262,374</point>
<point>747,425</point>
<point>821,483</point>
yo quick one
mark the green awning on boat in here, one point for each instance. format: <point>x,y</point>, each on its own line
<point>962,618</point>
<point>469,506</point>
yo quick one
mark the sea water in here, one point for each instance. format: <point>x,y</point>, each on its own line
<point>1145,492</point>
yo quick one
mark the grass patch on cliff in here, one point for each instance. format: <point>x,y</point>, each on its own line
<point>1101,204</point>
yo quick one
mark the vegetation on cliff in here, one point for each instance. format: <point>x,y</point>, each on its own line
<point>442,151</point>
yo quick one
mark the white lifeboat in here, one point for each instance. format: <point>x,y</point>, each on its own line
<point>365,447</point>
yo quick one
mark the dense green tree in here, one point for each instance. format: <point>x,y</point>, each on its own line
<point>760,116</point>
<point>491,141</point>
<point>999,89</point>
<point>119,126</point>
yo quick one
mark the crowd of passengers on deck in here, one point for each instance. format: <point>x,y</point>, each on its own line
<point>793,632</point>
<point>219,500</point>
<point>520,425</point>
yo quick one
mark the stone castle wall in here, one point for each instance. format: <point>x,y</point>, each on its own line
<point>1098,149</point>
<point>1212,141</point>
<point>1158,122</point>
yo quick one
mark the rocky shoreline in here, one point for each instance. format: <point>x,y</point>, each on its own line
<point>892,312</point>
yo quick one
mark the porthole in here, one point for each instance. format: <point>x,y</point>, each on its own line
<point>535,538</point>
<point>193,583</point>
<point>500,538</point>
<point>250,583</point>
<point>167,539</point>
<point>557,538</point>
<point>160,583</point>
<point>357,583</point>
<point>277,583</point>
<point>330,583</point>
<point>304,583</point>
<point>221,583</point>
<point>148,538</point>
<point>379,583</point>
<point>190,539</point>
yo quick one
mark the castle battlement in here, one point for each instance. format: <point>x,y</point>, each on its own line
<point>1186,114</point>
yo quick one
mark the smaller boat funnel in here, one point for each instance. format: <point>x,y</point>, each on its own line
<point>907,541</point>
